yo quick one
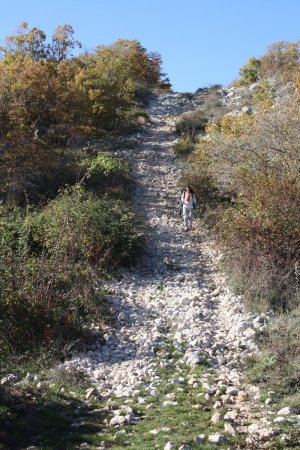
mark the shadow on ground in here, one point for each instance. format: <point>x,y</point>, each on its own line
<point>32,418</point>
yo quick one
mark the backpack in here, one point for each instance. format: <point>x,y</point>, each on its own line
<point>180,202</point>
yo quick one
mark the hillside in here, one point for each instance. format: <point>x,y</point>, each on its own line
<point>170,373</point>
<point>118,328</point>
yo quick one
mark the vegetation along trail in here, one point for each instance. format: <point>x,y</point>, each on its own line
<point>170,373</point>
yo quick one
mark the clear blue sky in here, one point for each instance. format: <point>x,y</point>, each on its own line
<point>201,42</point>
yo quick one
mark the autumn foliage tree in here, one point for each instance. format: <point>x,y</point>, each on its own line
<point>49,98</point>
<point>281,58</point>
<point>41,85</point>
<point>53,185</point>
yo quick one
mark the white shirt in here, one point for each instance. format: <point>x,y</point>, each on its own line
<point>188,203</point>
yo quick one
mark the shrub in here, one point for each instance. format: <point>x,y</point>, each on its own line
<point>104,164</point>
<point>281,59</point>
<point>265,95</point>
<point>133,120</point>
<point>50,266</point>
<point>183,147</point>
<point>262,232</point>
<point>138,114</point>
<point>278,366</point>
<point>104,172</point>
<point>191,123</point>
<point>213,107</point>
<point>250,71</point>
<point>102,231</point>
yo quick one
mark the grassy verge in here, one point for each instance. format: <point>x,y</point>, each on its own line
<point>53,412</point>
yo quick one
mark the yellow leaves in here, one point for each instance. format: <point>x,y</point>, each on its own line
<point>94,93</point>
<point>229,125</point>
<point>264,96</point>
<point>281,58</point>
<point>199,153</point>
<point>212,128</point>
<point>235,125</point>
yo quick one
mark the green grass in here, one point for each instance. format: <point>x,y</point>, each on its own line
<point>43,413</point>
<point>292,440</point>
<point>48,412</point>
<point>184,421</point>
<point>42,416</point>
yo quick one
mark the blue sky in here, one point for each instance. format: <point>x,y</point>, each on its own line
<point>201,42</point>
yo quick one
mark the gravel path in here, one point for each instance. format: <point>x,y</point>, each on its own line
<point>175,296</point>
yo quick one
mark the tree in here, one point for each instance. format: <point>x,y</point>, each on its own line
<point>109,84</point>
<point>62,42</point>
<point>26,43</point>
<point>250,71</point>
<point>282,57</point>
<point>144,67</point>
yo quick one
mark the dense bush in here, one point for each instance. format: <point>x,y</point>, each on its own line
<point>278,365</point>
<point>250,72</point>
<point>249,163</point>
<point>103,231</point>
<point>264,227</point>
<point>191,123</point>
<point>32,172</point>
<point>281,60</point>
<point>105,173</point>
<point>51,261</point>
<point>183,147</point>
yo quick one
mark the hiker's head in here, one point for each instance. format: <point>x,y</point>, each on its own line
<point>188,188</point>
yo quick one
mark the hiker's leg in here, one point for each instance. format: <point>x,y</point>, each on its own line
<point>190,218</point>
<point>185,216</point>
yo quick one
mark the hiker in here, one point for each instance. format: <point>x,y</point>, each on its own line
<point>188,203</point>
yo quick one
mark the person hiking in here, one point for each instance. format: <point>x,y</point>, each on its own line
<point>188,203</point>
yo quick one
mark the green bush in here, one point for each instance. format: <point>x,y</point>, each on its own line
<point>250,71</point>
<point>103,231</point>
<point>183,147</point>
<point>104,164</point>
<point>50,266</point>
<point>278,365</point>
<point>104,172</point>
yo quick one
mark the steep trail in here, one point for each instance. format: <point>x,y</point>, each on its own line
<point>175,297</point>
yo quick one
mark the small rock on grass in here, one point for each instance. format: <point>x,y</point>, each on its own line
<point>217,439</point>
<point>229,428</point>
<point>169,446</point>
<point>155,431</point>
<point>285,411</point>
<point>200,439</point>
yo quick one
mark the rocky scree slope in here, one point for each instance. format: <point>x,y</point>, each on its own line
<point>176,302</point>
